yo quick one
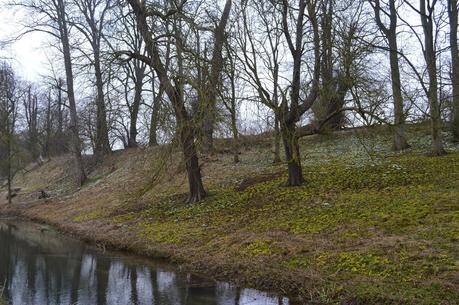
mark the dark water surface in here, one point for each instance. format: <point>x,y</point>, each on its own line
<point>40,266</point>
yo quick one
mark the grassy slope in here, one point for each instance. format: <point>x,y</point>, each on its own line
<point>369,225</point>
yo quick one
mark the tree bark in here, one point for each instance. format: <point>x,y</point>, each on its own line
<point>134,109</point>
<point>196,188</point>
<point>102,140</point>
<point>277,133</point>
<point>399,140</point>
<point>329,101</point>
<point>79,167</point>
<point>31,114</point>
<point>154,120</point>
<point>431,61</point>
<point>210,103</point>
<point>48,128</point>
<point>235,138</point>
<point>292,155</point>
<point>232,106</point>
<point>453,24</point>
<point>277,139</point>
<point>234,130</point>
<point>60,111</point>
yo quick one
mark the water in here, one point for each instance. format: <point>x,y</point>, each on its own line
<point>39,266</point>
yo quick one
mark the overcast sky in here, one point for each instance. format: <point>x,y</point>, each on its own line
<point>29,53</point>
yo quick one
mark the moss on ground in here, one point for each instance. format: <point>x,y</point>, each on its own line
<point>369,225</point>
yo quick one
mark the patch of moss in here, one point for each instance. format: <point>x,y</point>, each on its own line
<point>302,262</point>
<point>374,293</point>
<point>261,247</point>
<point>92,215</point>
<point>173,233</point>
<point>124,217</point>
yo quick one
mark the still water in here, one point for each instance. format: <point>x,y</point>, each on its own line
<point>39,266</point>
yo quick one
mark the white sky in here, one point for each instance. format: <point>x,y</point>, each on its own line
<point>29,53</point>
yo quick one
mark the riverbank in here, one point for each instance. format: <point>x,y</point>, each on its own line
<point>369,227</point>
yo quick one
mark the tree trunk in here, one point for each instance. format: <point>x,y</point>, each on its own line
<point>390,32</point>
<point>31,116</point>
<point>193,169</point>
<point>208,127</point>
<point>235,136</point>
<point>209,113</point>
<point>48,128</point>
<point>431,61</point>
<point>134,111</point>
<point>60,118</point>
<point>79,167</point>
<point>436,124</point>
<point>335,105</point>
<point>154,121</point>
<point>102,141</point>
<point>329,102</point>
<point>277,134</point>
<point>277,139</point>
<point>453,23</point>
<point>233,106</point>
<point>399,141</point>
<point>292,155</point>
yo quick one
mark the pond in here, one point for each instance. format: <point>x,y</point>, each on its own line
<point>40,266</point>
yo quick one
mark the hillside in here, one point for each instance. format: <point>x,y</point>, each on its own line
<point>370,226</point>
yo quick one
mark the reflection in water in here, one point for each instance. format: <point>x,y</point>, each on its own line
<point>40,267</point>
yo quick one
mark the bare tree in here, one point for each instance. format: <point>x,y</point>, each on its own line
<point>62,24</point>
<point>390,33</point>
<point>208,106</point>
<point>334,85</point>
<point>60,139</point>
<point>186,129</point>
<point>51,17</point>
<point>260,54</point>
<point>426,12</point>
<point>229,101</point>
<point>290,113</point>
<point>30,103</point>
<point>294,102</point>
<point>155,111</point>
<point>91,26</point>
<point>9,103</point>
<point>47,126</point>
